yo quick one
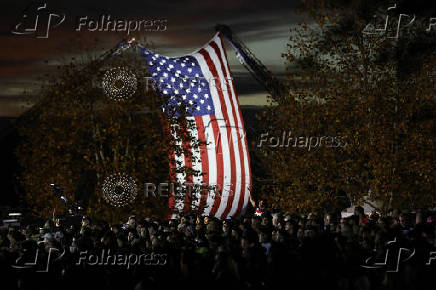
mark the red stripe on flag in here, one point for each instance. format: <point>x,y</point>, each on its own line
<point>214,72</point>
<point>204,163</point>
<point>220,167</point>
<point>243,188</point>
<point>233,177</point>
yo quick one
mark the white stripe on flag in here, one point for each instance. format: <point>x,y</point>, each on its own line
<point>211,155</point>
<point>233,127</point>
<point>242,140</point>
<point>222,138</point>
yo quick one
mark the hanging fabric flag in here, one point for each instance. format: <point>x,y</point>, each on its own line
<point>202,83</point>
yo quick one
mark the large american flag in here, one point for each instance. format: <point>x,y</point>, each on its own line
<point>202,83</point>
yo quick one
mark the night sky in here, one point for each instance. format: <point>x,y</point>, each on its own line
<point>187,24</point>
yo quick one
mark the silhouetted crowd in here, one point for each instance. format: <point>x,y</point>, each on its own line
<point>259,251</point>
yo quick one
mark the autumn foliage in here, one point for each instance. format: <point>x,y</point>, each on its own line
<point>374,92</point>
<point>75,136</point>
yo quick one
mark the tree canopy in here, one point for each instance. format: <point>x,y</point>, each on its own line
<point>366,102</point>
<point>77,136</point>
